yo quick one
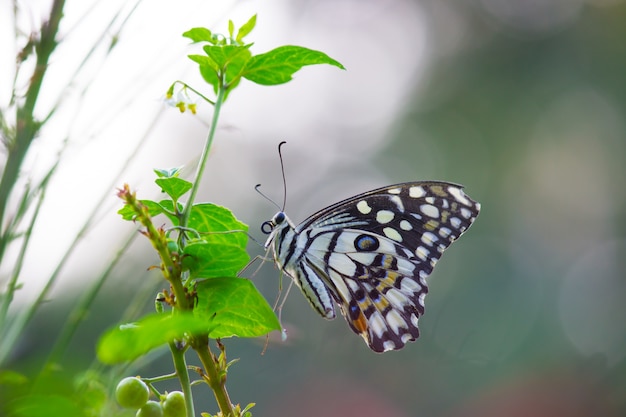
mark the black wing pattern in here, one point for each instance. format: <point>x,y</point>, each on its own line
<point>374,251</point>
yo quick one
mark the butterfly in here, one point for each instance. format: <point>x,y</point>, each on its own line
<point>371,253</point>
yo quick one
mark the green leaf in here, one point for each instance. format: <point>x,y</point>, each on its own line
<point>231,28</point>
<point>8,377</point>
<point>235,308</point>
<point>237,64</point>
<point>203,60</point>
<point>167,208</point>
<point>37,405</point>
<point>130,341</point>
<point>199,35</point>
<point>217,224</point>
<point>225,55</point>
<point>246,29</point>
<point>174,187</point>
<point>278,65</point>
<point>208,70</point>
<point>164,207</point>
<point>129,214</point>
<point>208,260</point>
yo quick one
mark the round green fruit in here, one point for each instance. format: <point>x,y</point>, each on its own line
<point>150,409</point>
<point>174,405</point>
<point>132,393</point>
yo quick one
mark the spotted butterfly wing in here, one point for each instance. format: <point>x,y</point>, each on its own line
<point>371,254</point>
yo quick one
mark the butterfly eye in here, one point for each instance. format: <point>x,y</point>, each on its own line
<point>279,218</point>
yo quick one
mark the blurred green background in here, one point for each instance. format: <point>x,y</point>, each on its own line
<point>522,102</point>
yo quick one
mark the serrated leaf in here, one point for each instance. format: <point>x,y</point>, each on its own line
<point>217,224</point>
<point>234,307</point>
<point>130,341</point>
<point>154,209</point>
<point>129,214</point>
<point>246,29</point>
<point>209,259</point>
<point>174,187</point>
<point>278,65</point>
<point>199,35</point>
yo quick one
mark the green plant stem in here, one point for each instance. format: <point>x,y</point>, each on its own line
<point>160,378</point>
<point>214,376</point>
<point>26,127</point>
<point>178,356</point>
<point>221,92</point>
<point>187,86</point>
<point>7,298</point>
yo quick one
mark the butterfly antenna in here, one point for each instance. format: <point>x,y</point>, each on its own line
<point>282,167</point>
<point>256,187</point>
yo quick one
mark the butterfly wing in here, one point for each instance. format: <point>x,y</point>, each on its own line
<point>374,251</point>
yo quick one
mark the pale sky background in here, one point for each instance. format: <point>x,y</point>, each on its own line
<point>105,121</point>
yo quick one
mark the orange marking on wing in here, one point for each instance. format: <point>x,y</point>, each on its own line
<point>360,323</point>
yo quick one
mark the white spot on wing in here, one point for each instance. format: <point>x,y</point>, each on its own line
<point>395,321</point>
<point>423,275</point>
<point>392,233</point>
<point>405,267</point>
<point>444,232</point>
<point>388,345</point>
<point>421,298</point>
<point>406,225</point>
<point>429,238</point>
<point>466,213</point>
<point>406,337</point>
<point>363,207</point>
<point>398,202</point>
<point>459,195</point>
<point>455,222</point>
<point>384,216</point>
<point>417,192</point>
<point>377,324</point>
<point>409,286</point>
<point>430,210</point>
<point>422,253</point>
<point>396,298</point>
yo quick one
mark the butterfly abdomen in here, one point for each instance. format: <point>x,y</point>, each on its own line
<point>289,247</point>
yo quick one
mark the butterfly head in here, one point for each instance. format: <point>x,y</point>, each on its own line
<point>271,227</point>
